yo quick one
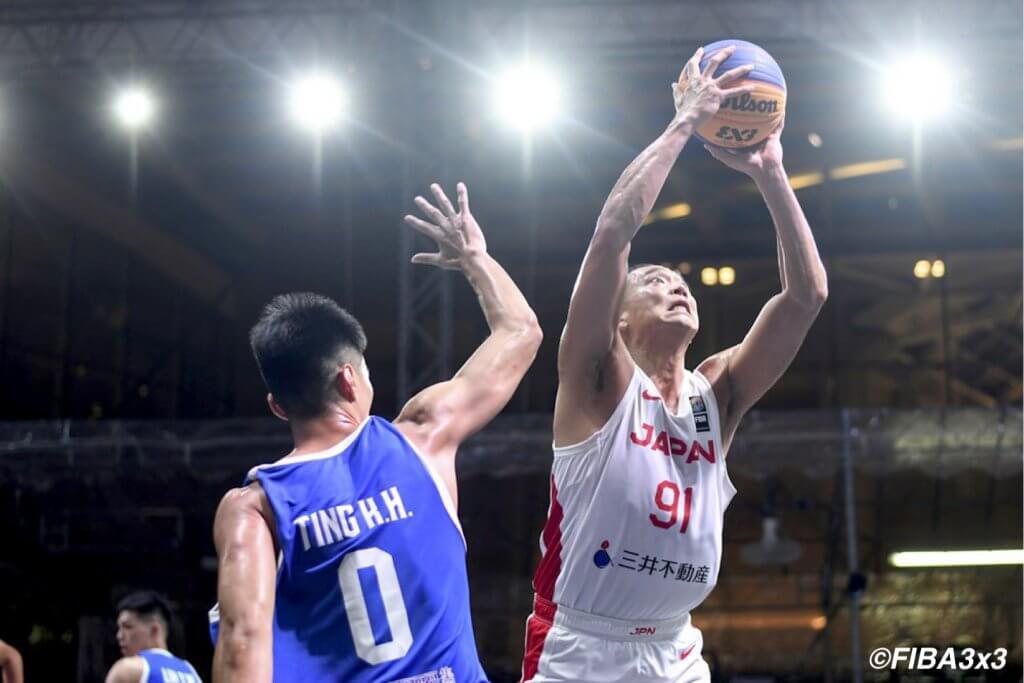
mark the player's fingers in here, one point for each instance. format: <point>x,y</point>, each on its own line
<point>430,211</point>
<point>428,259</point>
<point>716,60</point>
<point>442,200</point>
<point>692,68</point>
<point>463,197</point>
<point>428,229</point>
<point>732,74</point>
<point>739,90</point>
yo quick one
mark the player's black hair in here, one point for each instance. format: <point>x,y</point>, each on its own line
<point>148,605</point>
<point>299,341</point>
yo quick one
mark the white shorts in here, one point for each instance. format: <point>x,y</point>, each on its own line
<point>567,645</point>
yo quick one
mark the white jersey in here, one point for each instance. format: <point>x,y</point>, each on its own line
<point>634,530</point>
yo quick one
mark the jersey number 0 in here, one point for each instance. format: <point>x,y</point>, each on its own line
<point>359,616</point>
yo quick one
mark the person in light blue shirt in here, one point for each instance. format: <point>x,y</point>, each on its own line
<point>143,621</point>
<point>344,561</point>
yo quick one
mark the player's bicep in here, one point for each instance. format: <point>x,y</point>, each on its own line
<point>246,580</point>
<point>449,412</point>
<point>758,362</point>
<point>591,326</point>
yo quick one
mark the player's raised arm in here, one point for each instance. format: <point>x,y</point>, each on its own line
<point>593,364</point>
<point>440,417</point>
<point>742,374</point>
<point>246,581</point>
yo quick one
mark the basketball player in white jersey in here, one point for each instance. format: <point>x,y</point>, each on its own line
<point>639,486</point>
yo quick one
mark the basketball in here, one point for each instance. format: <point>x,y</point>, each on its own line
<point>748,119</point>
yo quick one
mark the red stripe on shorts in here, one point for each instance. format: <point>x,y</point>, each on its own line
<point>537,627</point>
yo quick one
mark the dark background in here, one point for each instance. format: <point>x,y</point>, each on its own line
<point>131,272</point>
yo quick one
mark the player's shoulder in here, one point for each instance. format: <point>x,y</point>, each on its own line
<point>127,670</point>
<point>244,500</point>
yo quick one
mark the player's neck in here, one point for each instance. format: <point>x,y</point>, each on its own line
<point>319,434</point>
<point>666,366</point>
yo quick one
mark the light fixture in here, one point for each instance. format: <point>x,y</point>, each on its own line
<point>316,102</point>
<point>134,107</point>
<point>527,97</point>
<point>925,269</point>
<point>957,558</point>
<point>709,276</point>
<point>919,89</point>
<point>726,275</point>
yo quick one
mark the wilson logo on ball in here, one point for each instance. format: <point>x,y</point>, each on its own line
<point>747,103</point>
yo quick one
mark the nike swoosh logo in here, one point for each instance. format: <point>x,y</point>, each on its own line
<point>688,651</point>
<point>647,396</point>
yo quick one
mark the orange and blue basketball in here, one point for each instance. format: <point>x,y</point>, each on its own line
<point>748,119</point>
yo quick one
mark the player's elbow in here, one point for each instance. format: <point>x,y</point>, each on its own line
<point>613,234</point>
<point>241,643</point>
<point>815,296</point>
<point>532,334</point>
<point>522,332</point>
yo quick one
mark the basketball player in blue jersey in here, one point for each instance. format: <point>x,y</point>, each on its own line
<point>344,561</point>
<point>143,620</point>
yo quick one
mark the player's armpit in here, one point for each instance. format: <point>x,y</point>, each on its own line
<point>246,579</point>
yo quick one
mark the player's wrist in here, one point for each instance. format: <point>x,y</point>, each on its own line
<point>685,122</point>
<point>472,257</point>
<point>770,174</point>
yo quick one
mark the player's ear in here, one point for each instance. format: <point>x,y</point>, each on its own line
<point>276,408</point>
<point>345,382</point>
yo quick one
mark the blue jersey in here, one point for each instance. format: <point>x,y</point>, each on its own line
<point>163,667</point>
<point>372,582</point>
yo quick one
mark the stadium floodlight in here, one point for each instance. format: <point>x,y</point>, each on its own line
<point>919,89</point>
<point>316,102</point>
<point>134,107</point>
<point>709,276</point>
<point>527,97</point>
<point>957,558</point>
<point>726,275</point>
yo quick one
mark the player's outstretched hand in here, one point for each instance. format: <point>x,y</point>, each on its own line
<point>755,161</point>
<point>457,233</point>
<point>699,94</point>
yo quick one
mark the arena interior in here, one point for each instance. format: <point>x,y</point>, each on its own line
<point>133,261</point>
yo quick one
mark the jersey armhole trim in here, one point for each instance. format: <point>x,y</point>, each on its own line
<point>590,441</point>
<point>145,670</point>
<point>442,490</point>
<point>728,488</point>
